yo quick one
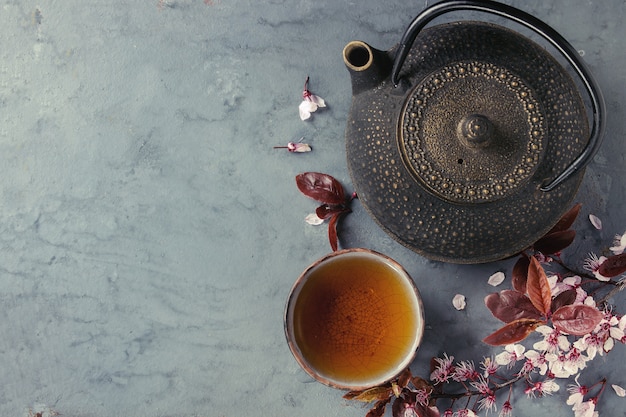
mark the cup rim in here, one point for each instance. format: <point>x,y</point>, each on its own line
<point>389,376</point>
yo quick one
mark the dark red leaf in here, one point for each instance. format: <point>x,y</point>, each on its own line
<point>404,378</point>
<point>405,406</point>
<point>379,408</point>
<point>613,266</point>
<point>321,187</point>
<point>377,393</point>
<point>332,232</point>
<point>577,320</point>
<point>433,364</point>
<point>431,411</point>
<point>555,242</point>
<point>567,220</point>
<point>325,211</point>
<point>512,332</point>
<point>563,299</point>
<point>538,287</point>
<point>511,305</point>
<point>520,274</point>
<point>420,383</point>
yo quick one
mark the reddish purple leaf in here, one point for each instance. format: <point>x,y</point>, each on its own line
<point>520,274</point>
<point>538,287</point>
<point>512,332</point>
<point>555,242</point>
<point>565,298</point>
<point>379,408</point>
<point>321,187</point>
<point>613,266</point>
<point>404,378</point>
<point>325,211</point>
<point>567,220</point>
<point>332,232</point>
<point>511,305</point>
<point>577,320</point>
<point>408,406</point>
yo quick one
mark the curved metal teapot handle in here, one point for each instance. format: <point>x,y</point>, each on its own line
<point>541,28</point>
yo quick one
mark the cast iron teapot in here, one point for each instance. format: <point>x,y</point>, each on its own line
<point>468,141</point>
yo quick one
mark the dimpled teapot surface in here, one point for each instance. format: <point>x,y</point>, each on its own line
<point>468,142</point>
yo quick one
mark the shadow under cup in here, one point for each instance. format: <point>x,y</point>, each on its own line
<point>354,319</point>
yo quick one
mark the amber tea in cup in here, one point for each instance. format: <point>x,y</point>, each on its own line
<point>354,319</point>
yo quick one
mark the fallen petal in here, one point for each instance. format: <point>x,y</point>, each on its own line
<point>621,392</point>
<point>306,108</point>
<point>496,279</point>
<point>459,301</point>
<point>313,219</point>
<point>317,100</point>
<point>305,113</point>
<point>298,147</point>
<point>595,221</point>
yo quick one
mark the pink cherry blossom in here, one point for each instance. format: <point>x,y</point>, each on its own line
<point>488,402</point>
<point>554,341</point>
<point>464,370</point>
<point>569,283</point>
<point>489,366</point>
<point>603,338</point>
<point>593,263</point>
<point>537,360</point>
<point>482,386</point>
<point>591,344</point>
<point>541,388</point>
<point>506,410</point>
<point>619,244</point>
<point>512,353</point>
<point>577,393</point>
<point>586,409</point>
<point>310,102</point>
<point>443,370</point>
<point>422,396</point>
<point>566,364</point>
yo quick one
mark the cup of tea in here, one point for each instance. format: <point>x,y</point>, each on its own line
<point>354,319</point>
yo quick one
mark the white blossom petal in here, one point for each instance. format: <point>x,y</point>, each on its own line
<point>621,392</point>
<point>620,244</point>
<point>549,386</point>
<point>299,147</point>
<point>608,345</point>
<point>317,100</point>
<point>459,301</point>
<point>496,279</point>
<point>304,109</point>
<point>595,221</point>
<point>544,330</point>
<point>313,219</point>
<point>552,280</point>
<point>616,333</point>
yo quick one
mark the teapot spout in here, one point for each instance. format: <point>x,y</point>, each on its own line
<point>368,67</point>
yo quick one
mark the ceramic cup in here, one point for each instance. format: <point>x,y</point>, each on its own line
<point>354,319</point>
